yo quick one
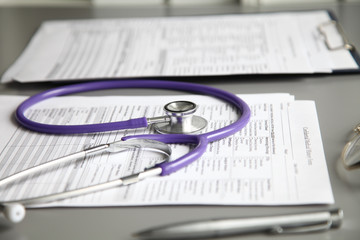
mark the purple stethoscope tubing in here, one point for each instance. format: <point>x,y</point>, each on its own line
<point>201,140</point>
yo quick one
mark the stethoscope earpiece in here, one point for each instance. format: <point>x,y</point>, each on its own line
<point>182,120</point>
<point>13,212</point>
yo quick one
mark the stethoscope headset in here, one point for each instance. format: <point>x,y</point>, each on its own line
<point>178,126</point>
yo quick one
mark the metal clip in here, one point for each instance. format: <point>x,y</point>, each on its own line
<point>332,42</point>
<point>334,221</point>
<point>301,229</point>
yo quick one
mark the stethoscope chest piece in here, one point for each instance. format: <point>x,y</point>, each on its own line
<point>182,119</point>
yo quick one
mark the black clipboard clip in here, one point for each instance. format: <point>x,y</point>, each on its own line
<point>334,36</point>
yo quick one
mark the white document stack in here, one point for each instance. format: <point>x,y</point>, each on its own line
<point>268,43</point>
<point>277,159</point>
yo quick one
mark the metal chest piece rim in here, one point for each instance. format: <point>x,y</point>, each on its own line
<point>182,119</point>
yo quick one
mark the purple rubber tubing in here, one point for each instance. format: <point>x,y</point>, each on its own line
<point>201,141</point>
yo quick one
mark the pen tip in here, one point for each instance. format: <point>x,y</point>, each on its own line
<point>136,235</point>
<point>139,235</point>
<point>337,217</point>
<point>147,235</point>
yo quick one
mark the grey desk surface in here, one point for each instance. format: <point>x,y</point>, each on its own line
<point>337,98</point>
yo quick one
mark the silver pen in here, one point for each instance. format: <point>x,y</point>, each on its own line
<point>292,223</point>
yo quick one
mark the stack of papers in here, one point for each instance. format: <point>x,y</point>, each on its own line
<point>276,159</point>
<point>268,43</point>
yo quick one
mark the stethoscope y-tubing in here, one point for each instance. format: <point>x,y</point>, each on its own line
<point>200,141</point>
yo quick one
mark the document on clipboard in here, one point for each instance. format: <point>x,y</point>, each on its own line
<point>268,43</point>
<point>277,159</point>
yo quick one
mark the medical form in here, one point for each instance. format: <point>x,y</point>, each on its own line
<point>277,159</point>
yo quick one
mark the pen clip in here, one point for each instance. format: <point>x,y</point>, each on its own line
<point>302,229</point>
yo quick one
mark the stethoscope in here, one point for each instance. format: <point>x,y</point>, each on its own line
<point>177,126</point>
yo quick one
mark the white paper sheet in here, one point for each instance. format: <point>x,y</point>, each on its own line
<point>179,46</point>
<point>276,159</point>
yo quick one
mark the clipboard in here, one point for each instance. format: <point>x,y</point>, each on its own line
<point>192,46</point>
